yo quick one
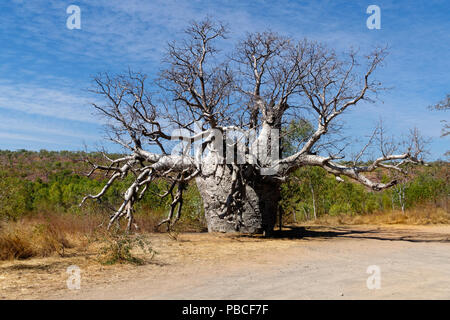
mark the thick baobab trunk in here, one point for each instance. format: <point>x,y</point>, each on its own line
<point>252,208</point>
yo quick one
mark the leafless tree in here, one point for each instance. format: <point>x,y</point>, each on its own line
<point>230,107</point>
<point>443,105</point>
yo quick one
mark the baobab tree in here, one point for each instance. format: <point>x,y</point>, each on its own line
<point>227,111</point>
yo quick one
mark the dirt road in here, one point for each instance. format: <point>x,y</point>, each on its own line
<point>303,263</point>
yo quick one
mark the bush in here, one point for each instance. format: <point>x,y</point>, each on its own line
<point>15,199</point>
<point>13,245</point>
<point>312,185</point>
<point>25,240</point>
<point>339,208</point>
<point>118,246</point>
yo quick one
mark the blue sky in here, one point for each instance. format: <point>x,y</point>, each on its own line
<point>46,68</point>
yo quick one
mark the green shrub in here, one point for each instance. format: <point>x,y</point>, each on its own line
<point>118,246</point>
<point>15,199</point>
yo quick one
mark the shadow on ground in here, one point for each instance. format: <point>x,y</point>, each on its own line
<point>384,234</point>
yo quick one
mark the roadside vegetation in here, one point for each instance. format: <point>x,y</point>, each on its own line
<point>312,195</point>
<point>40,193</point>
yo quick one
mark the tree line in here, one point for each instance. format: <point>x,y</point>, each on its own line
<point>43,182</point>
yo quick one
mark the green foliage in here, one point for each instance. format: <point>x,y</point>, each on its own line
<point>118,246</point>
<point>15,198</point>
<point>310,192</point>
<point>429,185</point>
<point>295,133</point>
<point>311,186</point>
<point>49,182</point>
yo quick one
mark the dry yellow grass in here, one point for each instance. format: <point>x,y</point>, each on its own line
<point>45,235</point>
<point>50,234</point>
<point>24,240</point>
<point>53,234</point>
<point>418,216</point>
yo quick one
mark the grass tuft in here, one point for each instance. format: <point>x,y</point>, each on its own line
<point>24,240</point>
<point>120,247</point>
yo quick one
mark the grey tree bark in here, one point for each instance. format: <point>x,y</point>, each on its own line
<point>251,209</point>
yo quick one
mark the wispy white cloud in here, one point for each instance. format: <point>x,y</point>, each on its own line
<point>44,128</point>
<point>11,137</point>
<point>32,99</point>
